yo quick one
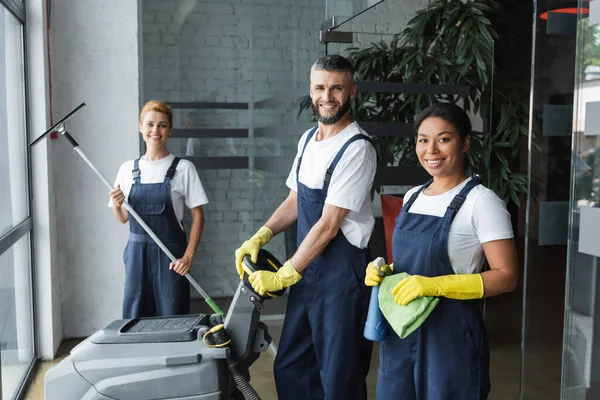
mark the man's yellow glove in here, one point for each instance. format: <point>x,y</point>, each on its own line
<point>251,247</point>
<point>267,281</point>
<point>374,276</point>
<point>459,287</point>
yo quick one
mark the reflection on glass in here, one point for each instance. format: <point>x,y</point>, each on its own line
<point>16,328</point>
<point>234,147</point>
<point>208,147</point>
<point>13,167</point>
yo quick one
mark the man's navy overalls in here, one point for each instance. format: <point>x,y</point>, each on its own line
<point>322,352</point>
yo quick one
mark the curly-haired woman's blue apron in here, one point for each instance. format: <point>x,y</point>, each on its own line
<point>322,352</point>
<point>151,288</point>
<point>447,358</point>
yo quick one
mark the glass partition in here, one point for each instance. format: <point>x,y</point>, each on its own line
<point>398,75</point>
<point>223,67</point>
<point>546,214</point>
<point>237,76</point>
<point>581,339</point>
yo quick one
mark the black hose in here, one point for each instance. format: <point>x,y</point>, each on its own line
<point>244,386</point>
<point>239,378</point>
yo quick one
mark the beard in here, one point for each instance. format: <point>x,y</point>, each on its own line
<point>332,119</point>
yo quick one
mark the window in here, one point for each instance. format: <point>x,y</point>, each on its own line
<point>17,350</point>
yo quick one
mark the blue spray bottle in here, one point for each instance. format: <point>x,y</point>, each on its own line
<point>376,326</point>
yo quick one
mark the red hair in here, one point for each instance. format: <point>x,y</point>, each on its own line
<point>158,106</point>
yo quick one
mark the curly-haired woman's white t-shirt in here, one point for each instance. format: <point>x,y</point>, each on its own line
<point>482,218</point>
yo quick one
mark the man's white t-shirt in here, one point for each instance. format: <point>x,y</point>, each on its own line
<point>351,182</point>
<point>186,188</point>
<point>482,218</point>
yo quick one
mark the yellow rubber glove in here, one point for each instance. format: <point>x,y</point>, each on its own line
<point>374,276</point>
<point>459,287</point>
<point>251,247</point>
<point>267,281</point>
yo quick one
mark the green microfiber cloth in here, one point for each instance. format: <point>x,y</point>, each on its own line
<point>403,319</point>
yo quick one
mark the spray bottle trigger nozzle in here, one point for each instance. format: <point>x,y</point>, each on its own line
<point>378,263</point>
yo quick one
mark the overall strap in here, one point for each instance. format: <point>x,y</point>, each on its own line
<point>416,194</point>
<point>136,171</point>
<point>171,171</point>
<point>339,155</point>
<point>458,201</point>
<point>308,137</point>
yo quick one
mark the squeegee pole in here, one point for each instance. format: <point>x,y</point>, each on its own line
<point>61,129</point>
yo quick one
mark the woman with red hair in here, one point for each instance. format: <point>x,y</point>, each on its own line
<point>157,186</point>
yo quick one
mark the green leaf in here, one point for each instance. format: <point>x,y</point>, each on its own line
<point>515,198</point>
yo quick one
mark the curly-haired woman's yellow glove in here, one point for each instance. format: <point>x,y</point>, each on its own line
<point>374,275</point>
<point>459,287</point>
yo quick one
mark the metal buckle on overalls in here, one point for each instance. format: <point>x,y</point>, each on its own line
<point>328,175</point>
<point>136,173</point>
<point>456,203</point>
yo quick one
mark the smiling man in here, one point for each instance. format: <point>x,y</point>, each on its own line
<point>322,352</point>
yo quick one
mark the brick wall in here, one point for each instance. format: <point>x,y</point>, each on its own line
<point>244,51</point>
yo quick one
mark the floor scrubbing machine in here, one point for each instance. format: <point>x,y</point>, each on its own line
<point>191,357</point>
<point>180,357</point>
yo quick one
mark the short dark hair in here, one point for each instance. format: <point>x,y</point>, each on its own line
<point>333,62</point>
<point>451,113</point>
